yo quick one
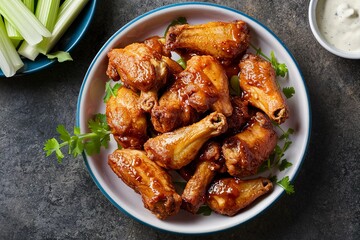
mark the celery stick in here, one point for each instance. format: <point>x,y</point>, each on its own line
<point>12,32</point>
<point>23,20</point>
<point>30,4</point>
<point>5,64</point>
<point>10,29</point>
<point>10,61</point>
<point>16,42</point>
<point>69,10</point>
<point>28,51</point>
<point>47,13</point>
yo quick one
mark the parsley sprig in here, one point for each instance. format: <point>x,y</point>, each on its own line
<point>90,142</point>
<point>280,68</point>
<point>177,21</point>
<point>204,210</point>
<point>286,185</point>
<point>277,160</point>
<point>111,90</point>
<point>288,92</point>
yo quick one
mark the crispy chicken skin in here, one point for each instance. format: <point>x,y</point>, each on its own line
<point>257,80</point>
<point>240,115</point>
<point>213,70</point>
<point>139,67</point>
<point>228,196</point>
<point>172,113</point>
<point>223,40</point>
<point>247,150</point>
<point>194,194</point>
<point>203,85</point>
<point>173,150</point>
<point>145,177</point>
<point>158,44</point>
<point>126,119</point>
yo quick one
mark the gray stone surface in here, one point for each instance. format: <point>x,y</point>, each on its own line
<point>43,200</point>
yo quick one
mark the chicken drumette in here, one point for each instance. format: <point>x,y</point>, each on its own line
<point>247,150</point>
<point>126,119</point>
<point>194,194</point>
<point>203,85</point>
<point>144,67</point>
<point>257,80</point>
<point>228,196</point>
<point>173,150</point>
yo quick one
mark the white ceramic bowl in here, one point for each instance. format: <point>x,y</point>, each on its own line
<point>154,23</point>
<point>320,38</point>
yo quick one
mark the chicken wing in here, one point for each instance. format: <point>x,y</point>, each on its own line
<point>194,194</point>
<point>141,67</point>
<point>247,150</point>
<point>211,72</point>
<point>257,80</point>
<point>240,115</point>
<point>229,195</point>
<point>171,112</point>
<point>158,44</point>
<point>223,40</point>
<point>173,150</point>
<point>126,119</point>
<point>203,85</point>
<point>145,177</point>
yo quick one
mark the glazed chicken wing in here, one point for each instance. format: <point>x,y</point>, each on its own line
<point>148,179</point>
<point>173,150</point>
<point>194,194</point>
<point>158,44</point>
<point>140,66</point>
<point>240,115</point>
<point>172,113</point>
<point>223,40</point>
<point>126,119</point>
<point>229,195</point>
<point>257,80</point>
<point>203,85</point>
<point>247,150</point>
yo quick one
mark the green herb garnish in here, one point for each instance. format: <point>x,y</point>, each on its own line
<point>280,68</point>
<point>178,21</point>
<point>276,159</point>
<point>204,210</point>
<point>286,185</point>
<point>90,142</point>
<point>288,91</point>
<point>181,62</point>
<point>235,86</point>
<point>111,90</point>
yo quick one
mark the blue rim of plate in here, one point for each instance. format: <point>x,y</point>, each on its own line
<point>125,27</point>
<point>77,30</point>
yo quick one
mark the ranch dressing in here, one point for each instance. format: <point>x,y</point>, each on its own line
<point>339,23</point>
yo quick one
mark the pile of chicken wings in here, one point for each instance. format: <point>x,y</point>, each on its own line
<point>167,118</point>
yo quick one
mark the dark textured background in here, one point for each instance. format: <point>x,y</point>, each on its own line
<point>40,199</point>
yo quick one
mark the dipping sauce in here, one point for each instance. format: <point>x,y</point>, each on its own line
<point>339,23</point>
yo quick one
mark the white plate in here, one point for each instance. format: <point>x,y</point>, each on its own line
<point>154,23</point>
